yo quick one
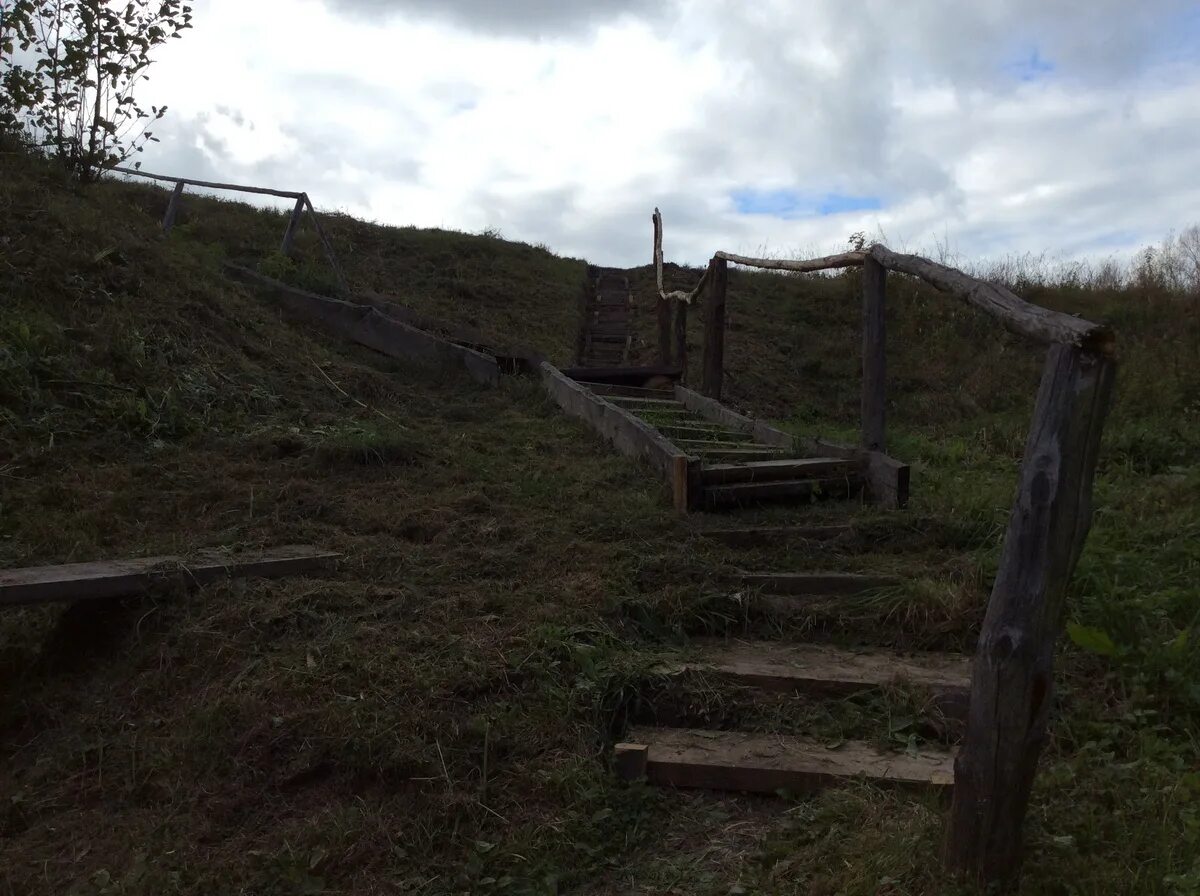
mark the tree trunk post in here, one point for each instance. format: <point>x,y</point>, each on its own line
<point>664,306</point>
<point>1012,686</point>
<point>714,328</point>
<point>874,355</point>
<point>173,206</point>
<point>681,352</point>
<point>289,235</point>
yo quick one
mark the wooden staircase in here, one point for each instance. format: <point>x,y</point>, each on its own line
<point>736,469</point>
<point>606,334</point>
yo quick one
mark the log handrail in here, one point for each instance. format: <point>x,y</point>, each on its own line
<point>303,202</point>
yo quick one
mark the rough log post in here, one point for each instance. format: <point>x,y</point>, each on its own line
<point>173,206</point>
<point>293,225</point>
<point>874,355</point>
<point>664,304</point>
<point>1012,685</point>
<point>333,262</point>
<point>681,352</point>
<point>714,328</point>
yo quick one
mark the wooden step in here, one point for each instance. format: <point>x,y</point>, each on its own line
<point>739,493</point>
<point>649,402</point>
<point>116,578</point>
<point>823,670</point>
<point>751,453</point>
<point>774,470</point>
<point>759,536</point>
<point>718,444</point>
<point>607,389</point>
<point>608,338</point>
<point>705,432</point>
<point>768,763</point>
<point>814,583</point>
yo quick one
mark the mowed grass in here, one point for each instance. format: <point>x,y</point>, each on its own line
<point>436,716</point>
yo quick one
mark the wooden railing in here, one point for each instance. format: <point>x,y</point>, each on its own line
<point>1012,681</point>
<point>303,204</point>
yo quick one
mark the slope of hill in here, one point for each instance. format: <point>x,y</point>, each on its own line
<point>436,715</point>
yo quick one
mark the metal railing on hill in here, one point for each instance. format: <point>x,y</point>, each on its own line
<point>303,204</point>
<point>1012,682</point>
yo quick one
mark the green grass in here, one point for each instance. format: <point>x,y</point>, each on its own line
<point>437,715</point>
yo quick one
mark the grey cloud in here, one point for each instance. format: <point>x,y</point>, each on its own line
<point>521,18</point>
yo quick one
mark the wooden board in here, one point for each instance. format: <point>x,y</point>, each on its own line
<point>767,763</point>
<point>622,376</point>
<point>814,582</point>
<point>758,536</point>
<point>780,489</point>
<point>784,468</point>
<point>368,326</point>
<point>631,435</point>
<point>824,670</point>
<point>116,578</point>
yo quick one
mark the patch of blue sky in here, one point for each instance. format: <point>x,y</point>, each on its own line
<point>792,204</point>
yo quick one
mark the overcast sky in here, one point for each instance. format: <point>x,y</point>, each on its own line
<point>776,127</point>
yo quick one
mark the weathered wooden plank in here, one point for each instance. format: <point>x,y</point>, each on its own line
<point>629,434</point>
<point>1013,682</point>
<point>760,536</point>
<point>262,191</point>
<point>714,328</point>
<point>823,670</point>
<point>839,583</point>
<point>874,355</point>
<point>781,489</point>
<point>367,326</point>
<point>1013,312</point>
<point>713,410</point>
<point>647,401</point>
<point>844,260</point>
<point>768,763</point>
<point>329,253</point>
<point>623,376</point>
<point>173,205</point>
<point>293,225</point>
<point>609,390</point>
<point>117,578</point>
<point>783,468</point>
<point>745,453</point>
<point>681,347</point>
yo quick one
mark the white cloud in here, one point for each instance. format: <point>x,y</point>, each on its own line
<point>996,127</point>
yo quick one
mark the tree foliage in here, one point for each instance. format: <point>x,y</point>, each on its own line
<point>68,71</point>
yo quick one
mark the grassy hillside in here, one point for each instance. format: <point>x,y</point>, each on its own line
<point>435,716</point>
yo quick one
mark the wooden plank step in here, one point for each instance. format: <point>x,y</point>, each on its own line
<point>758,452</point>
<point>117,578</point>
<point>814,583</point>
<point>606,338</point>
<point>718,444</point>
<point>758,536</point>
<point>705,432</point>
<point>780,490</point>
<point>774,470</point>
<point>820,669</point>
<point>768,763</point>
<point>607,389</point>
<point>647,401</point>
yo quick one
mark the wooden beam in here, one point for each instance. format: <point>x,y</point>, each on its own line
<point>173,205</point>
<point>714,328</point>
<point>664,304</point>
<point>119,578</point>
<point>1013,312</point>
<point>367,326</point>
<point>823,670</point>
<point>289,235</point>
<point>769,763</point>
<point>1012,689</point>
<point>681,350</point>
<point>261,191</point>
<point>329,254</point>
<point>874,355</point>
<point>769,536</point>
<point>630,435</point>
<point>844,260</point>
